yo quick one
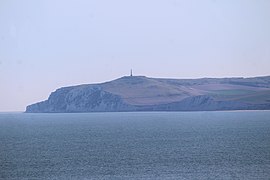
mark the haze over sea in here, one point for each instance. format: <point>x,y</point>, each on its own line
<point>139,145</point>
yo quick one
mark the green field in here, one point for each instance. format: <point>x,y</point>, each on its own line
<point>233,92</point>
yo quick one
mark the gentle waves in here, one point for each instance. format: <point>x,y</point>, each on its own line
<point>139,145</point>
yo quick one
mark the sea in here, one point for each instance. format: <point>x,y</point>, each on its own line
<point>135,145</point>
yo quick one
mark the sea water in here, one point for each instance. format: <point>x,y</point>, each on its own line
<point>138,145</point>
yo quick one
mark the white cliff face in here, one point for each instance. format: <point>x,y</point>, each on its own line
<point>149,94</point>
<point>85,99</point>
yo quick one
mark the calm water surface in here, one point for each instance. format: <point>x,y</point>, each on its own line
<point>180,145</point>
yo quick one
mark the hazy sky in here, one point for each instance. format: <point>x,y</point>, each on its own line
<point>52,43</point>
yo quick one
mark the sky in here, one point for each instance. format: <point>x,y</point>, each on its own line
<point>48,44</point>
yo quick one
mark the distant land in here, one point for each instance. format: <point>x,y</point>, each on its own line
<point>140,93</point>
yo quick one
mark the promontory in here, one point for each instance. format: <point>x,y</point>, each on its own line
<point>140,93</point>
